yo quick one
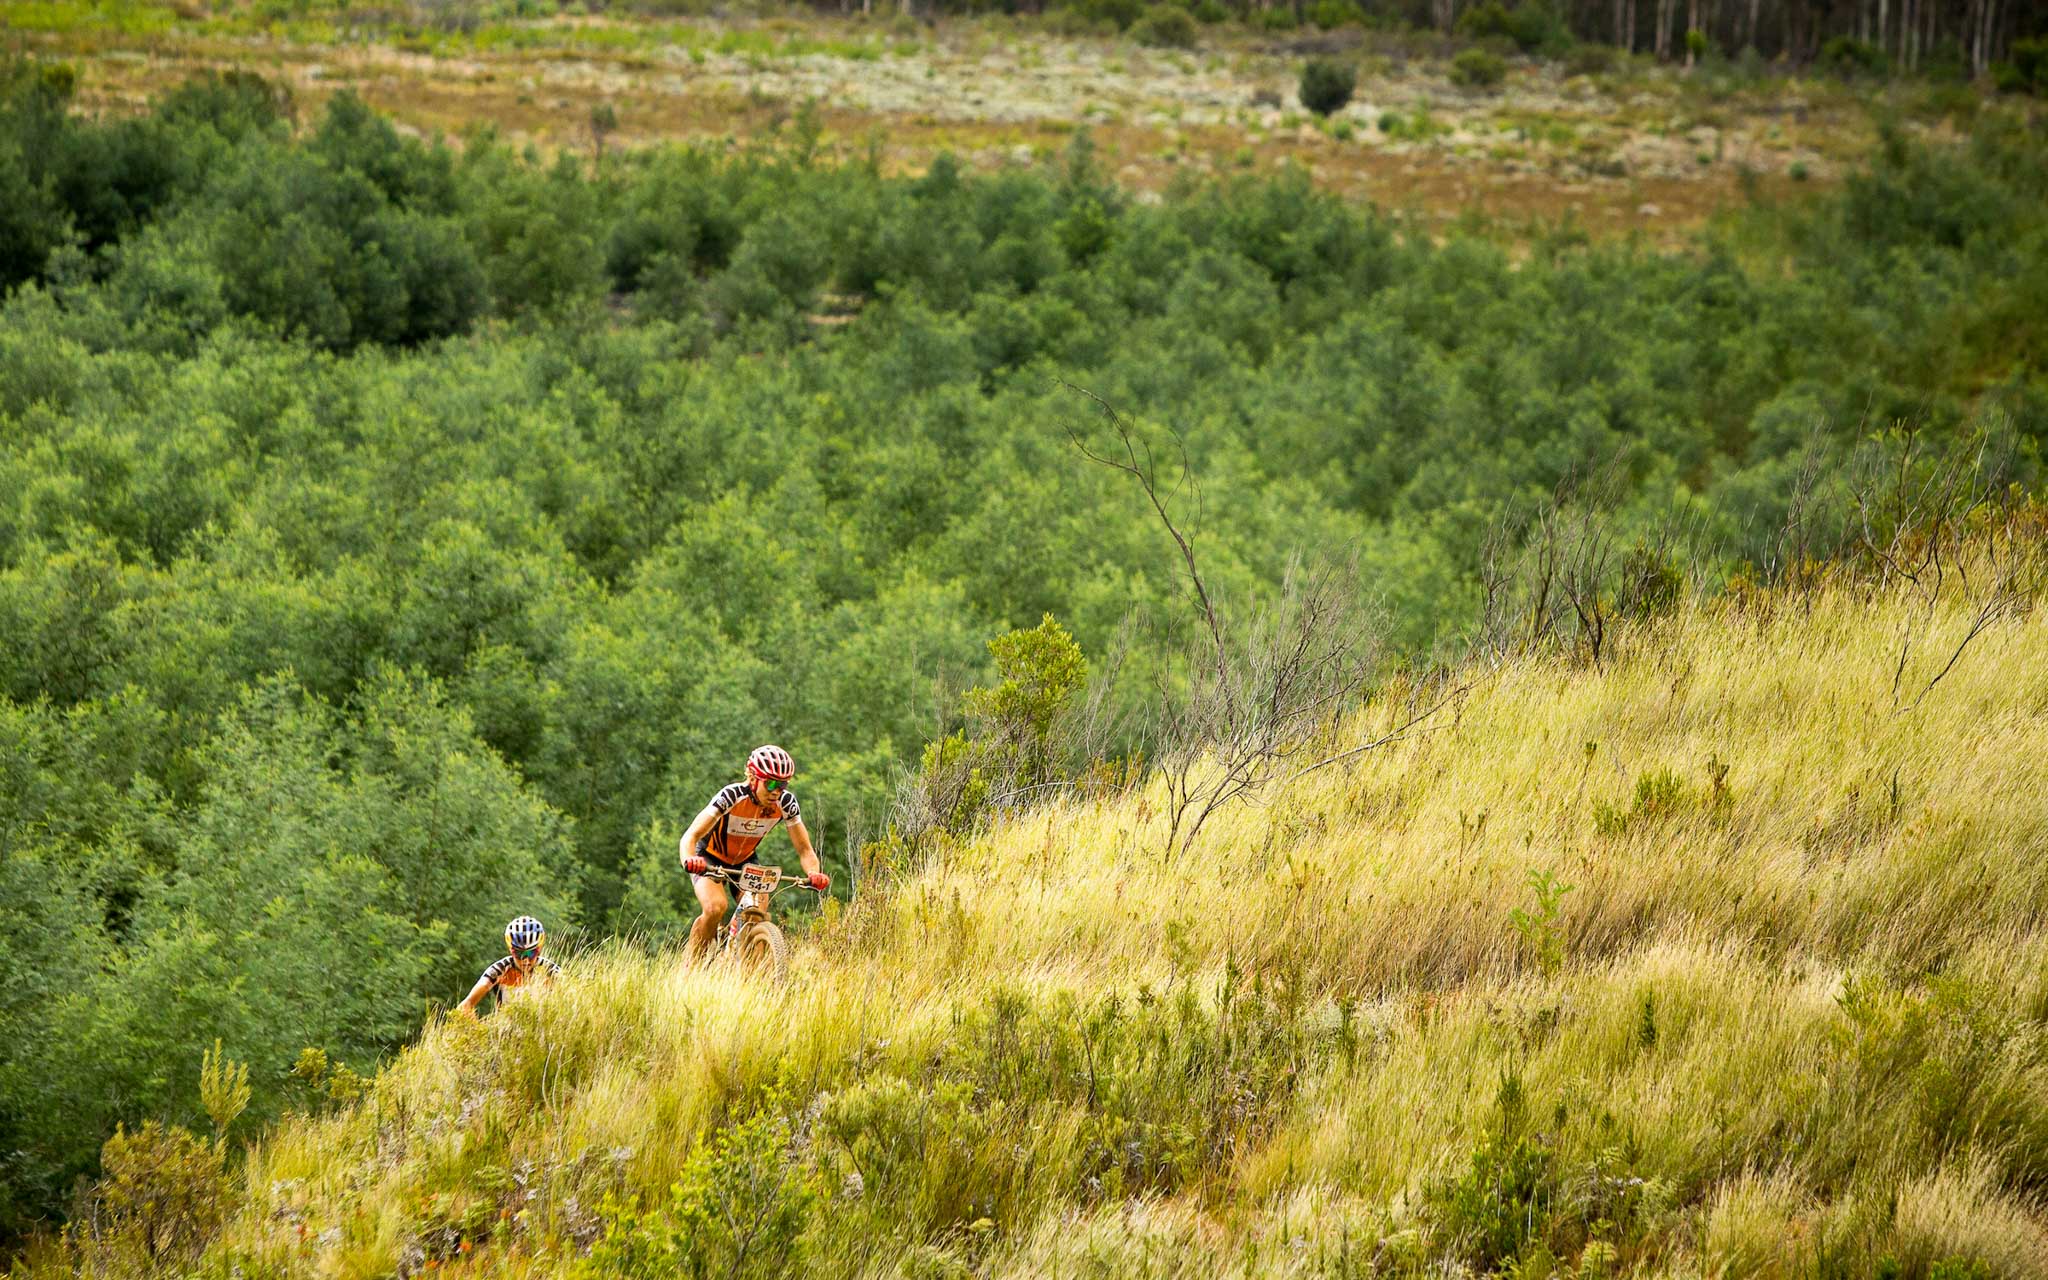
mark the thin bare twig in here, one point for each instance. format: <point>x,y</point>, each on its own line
<point>1145,472</point>
<point>1388,738</point>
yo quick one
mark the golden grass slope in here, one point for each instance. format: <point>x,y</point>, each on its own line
<point>1788,1019</point>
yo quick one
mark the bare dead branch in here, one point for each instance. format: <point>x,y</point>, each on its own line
<point>1144,471</point>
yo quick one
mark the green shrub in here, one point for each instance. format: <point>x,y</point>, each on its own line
<point>1851,58</point>
<point>740,1208</point>
<point>35,139</point>
<point>1483,21</point>
<point>1013,743</point>
<point>1478,69</point>
<point>1947,62</point>
<point>1534,26</point>
<point>1501,1202</point>
<point>1075,24</point>
<point>1040,671</point>
<point>2028,70</point>
<point>1590,59</point>
<point>1543,928</point>
<point>1211,12</point>
<point>1326,85</point>
<point>231,103</point>
<point>1332,14</point>
<point>1278,18</point>
<point>1165,26</point>
<point>1659,794</point>
<point>1122,13</point>
<point>162,1195</point>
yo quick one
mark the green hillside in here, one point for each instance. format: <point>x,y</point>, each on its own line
<point>398,535</point>
<point>1784,1015</point>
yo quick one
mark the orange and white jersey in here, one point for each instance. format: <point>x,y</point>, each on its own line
<point>505,975</point>
<point>743,822</point>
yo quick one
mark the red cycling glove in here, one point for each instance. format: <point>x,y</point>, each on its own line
<point>696,866</point>
<point>820,881</point>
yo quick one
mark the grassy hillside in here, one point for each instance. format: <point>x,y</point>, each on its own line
<point>1788,1018</point>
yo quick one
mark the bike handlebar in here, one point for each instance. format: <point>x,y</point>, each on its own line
<point>731,875</point>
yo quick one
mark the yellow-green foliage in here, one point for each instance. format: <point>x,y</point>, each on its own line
<point>160,1199</point>
<point>1789,1017</point>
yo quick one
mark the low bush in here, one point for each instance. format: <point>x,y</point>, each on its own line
<point>1121,12</point>
<point>1332,14</point>
<point>2028,70</point>
<point>1854,59</point>
<point>1533,26</point>
<point>1478,69</point>
<point>1590,60</point>
<point>1326,85</point>
<point>739,1209</point>
<point>1165,26</point>
<point>161,1197</point>
<point>1659,794</point>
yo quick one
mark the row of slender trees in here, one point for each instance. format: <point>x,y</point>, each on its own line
<point>1909,33</point>
<point>1963,36</point>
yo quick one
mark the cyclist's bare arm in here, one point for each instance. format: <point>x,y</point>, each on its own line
<point>800,836</point>
<point>475,997</point>
<point>699,825</point>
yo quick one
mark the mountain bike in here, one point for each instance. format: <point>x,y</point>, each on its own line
<point>751,941</point>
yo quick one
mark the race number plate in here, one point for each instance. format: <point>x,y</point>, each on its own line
<point>759,879</point>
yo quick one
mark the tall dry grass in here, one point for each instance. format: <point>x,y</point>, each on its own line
<point>1791,1017</point>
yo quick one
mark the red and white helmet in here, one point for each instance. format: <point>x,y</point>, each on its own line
<point>771,762</point>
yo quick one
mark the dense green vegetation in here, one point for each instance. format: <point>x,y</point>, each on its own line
<point>394,537</point>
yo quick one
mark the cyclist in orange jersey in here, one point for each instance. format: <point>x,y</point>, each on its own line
<point>522,964</point>
<point>729,829</point>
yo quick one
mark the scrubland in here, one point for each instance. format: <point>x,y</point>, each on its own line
<point>398,536</point>
<point>1619,146</point>
<point>1721,956</point>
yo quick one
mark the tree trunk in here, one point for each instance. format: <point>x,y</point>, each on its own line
<point>1692,24</point>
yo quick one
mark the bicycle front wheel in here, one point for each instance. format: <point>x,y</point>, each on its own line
<point>764,952</point>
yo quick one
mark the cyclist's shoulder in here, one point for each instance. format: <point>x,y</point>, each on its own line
<point>730,795</point>
<point>496,970</point>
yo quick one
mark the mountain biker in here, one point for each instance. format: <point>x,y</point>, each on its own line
<point>524,963</point>
<point>729,829</point>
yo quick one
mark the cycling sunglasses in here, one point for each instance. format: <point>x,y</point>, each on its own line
<point>773,784</point>
<point>526,953</point>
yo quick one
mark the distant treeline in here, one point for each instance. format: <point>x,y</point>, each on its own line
<point>1962,37</point>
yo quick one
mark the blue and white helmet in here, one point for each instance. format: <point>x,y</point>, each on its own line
<point>524,932</point>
